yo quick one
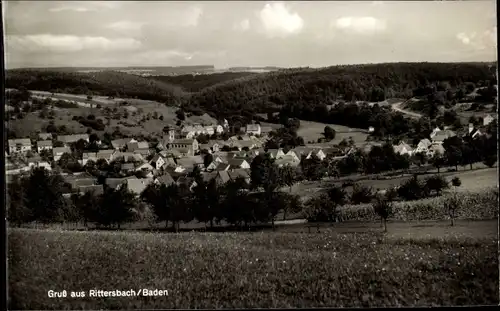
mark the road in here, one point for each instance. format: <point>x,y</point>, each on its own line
<point>396,107</point>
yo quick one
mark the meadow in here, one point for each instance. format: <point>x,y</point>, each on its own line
<point>248,270</point>
<point>311,131</point>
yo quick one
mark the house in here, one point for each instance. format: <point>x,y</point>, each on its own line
<point>434,132</point>
<point>276,153</point>
<point>367,147</point>
<point>253,129</point>
<point>80,180</point>
<point>144,167</point>
<point>173,153</point>
<point>157,161</point>
<point>143,152</point>
<point>265,130</point>
<point>59,151</point>
<point>309,152</point>
<point>371,129</point>
<point>209,130</point>
<point>21,145</point>
<point>116,183</point>
<point>127,167</point>
<point>137,186</point>
<point>223,167</point>
<point>36,162</point>
<point>43,145</point>
<point>292,154</point>
<point>184,146</point>
<point>190,162</point>
<point>212,166</point>
<point>212,146</point>
<point>165,179</point>
<point>488,119</point>
<point>44,136</point>
<point>238,163</point>
<point>240,173</point>
<point>218,129</point>
<point>121,143</point>
<point>69,139</point>
<point>225,124</point>
<point>169,162</point>
<point>128,157</point>
<point>188,132</point>
<point>94,189</point>
<point>423,146</point>
<point>440,136</point>
<point>88,156</point>
<point>222,177</point>
<point>403,148</point>
<point>105,154</point>
<point>473,132</point>
<point>137,145</point>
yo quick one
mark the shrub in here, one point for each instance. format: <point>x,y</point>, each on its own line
<point>361,194</point>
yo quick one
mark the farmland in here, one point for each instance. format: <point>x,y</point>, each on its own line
<point>311,131</point>
<point>331,268</point>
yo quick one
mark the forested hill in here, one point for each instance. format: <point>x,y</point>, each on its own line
<point>105,83</point>
<point>305,88</point>
<point>195,83</point>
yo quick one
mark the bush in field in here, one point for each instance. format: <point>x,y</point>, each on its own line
<point>490,161</point>
<point>456,182</point>
<point>320,209</point>
<point>383,208</point>
<point>361,194</point>
<point>452,205</point>
<point>412,189</point>
<point>436,183</point>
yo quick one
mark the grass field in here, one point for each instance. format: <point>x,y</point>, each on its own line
<point>311,131</point>
<point>442,266</point>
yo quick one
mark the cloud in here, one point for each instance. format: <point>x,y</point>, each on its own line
<point>192,17</point>
<point>243,25</point>
<point>279,21</point>
<point>482,41</point>
<point>125,26</point>
<point>84,6</point>
<point>65,43</point>
<point>361,25</point>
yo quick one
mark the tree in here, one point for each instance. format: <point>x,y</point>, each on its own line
<point>383,208</point>
<point>288,176</point>
<point>17,211</point>
<point>320,209</point>
<point>437,161</point>
<point>490,161</point>
<point>88,205</point>
<point>361,194</point>
<point>451,205</point>
<point>207,159</point>
<point>453,151</point>
<point>456,182</point>
<point>337,196</point>
<point>412,189</point>
<point>329,133</point>
<point>180,115</point>
<point>436,183</point>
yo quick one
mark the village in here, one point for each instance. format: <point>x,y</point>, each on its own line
<point>176,155</point>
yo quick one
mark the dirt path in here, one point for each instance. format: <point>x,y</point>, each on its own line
<point>396,107</point>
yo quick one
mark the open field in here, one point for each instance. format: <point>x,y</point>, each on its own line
<point>479,178</point>
<point>311,131</point>
<point>409,267</point>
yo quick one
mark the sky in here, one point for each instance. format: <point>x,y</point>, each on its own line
<point>253,33</point>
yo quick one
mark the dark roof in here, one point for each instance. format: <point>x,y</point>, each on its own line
<point>166,179</point>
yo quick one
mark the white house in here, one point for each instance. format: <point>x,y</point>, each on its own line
<point>423,146</point>
<point>157,161</point>
<point>371,129</point>
<point>22,145</point>
<point>253,129</point>
<point>276,153</point>
<point>435,149</point>
<point>403,148</point>
<point>435,131</point>
<point>488,119</point>
<point>44,145</point>
<point>59,151</point>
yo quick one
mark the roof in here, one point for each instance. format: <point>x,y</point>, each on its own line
<point>129,156</point>
<point>253,127</point>
<point>156,158</point>
<point>44,143</point>
<point>21,141</point>
<point>437,147</point>
<point>119,143</point>
<point>89,155</point>
<point>138,185</point>
<point>106,153</point>
<point>95,189</point>
<point>222,167</point>
<point>45,136</point>
<point>223,176</point>
<point>166,179</point>
<point>61,150</point>
<point>183,141</point>
<point>236,162</point>
<point>128,166</point>
<point>190,161</point>
<point>208,176</point>
<point>425,142</point>
<point>442,135</point>
<point>287,160</point>
<point>143,145</point>
<point>234,174</point>
<point>115,182</point>
<point>266,129</point>
<point>185,180</point>
<point>142,151</point>
<point>72,138</point>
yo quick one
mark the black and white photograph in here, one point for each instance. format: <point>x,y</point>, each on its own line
<point>250,154</point>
